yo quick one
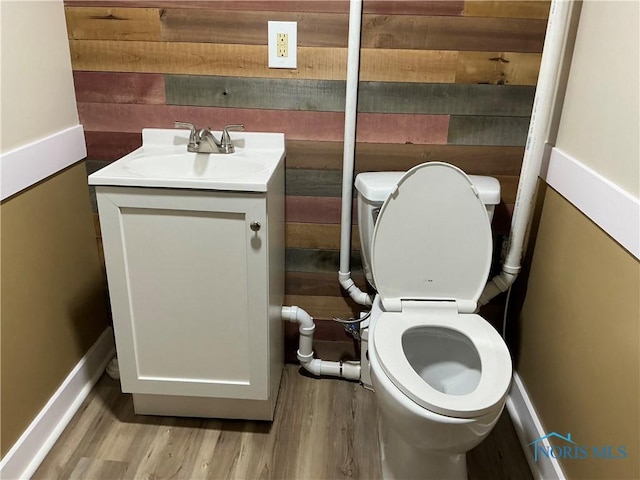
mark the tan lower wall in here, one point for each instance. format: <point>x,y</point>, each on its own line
<point>53,302</point>
<point>579,339</point>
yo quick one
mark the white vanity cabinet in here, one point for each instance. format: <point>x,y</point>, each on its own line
<point>196,282</point>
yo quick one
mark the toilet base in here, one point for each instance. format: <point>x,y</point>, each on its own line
<point>403,461</point>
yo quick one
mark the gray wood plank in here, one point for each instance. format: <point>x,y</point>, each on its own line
<point>480,130</point>
<point>313,183</point>
<point>328,95</point>
<point>314,260</point>
<point>268,93</point>
<point>446,99</point>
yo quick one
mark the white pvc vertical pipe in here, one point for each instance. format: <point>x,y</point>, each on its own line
<point>350,112</point>
<point>559,37</point>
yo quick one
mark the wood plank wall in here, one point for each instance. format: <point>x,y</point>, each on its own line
<point>440,80</point>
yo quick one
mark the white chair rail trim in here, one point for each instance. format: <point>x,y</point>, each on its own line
<point>29,164</point>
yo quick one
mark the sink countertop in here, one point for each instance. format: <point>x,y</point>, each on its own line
<point>164,162</point>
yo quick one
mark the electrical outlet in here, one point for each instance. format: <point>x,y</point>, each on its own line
<point>282,44</point>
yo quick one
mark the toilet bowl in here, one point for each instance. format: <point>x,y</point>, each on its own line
<point>440,371</point>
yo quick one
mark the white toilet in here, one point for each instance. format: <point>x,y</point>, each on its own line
<point>440,372</point>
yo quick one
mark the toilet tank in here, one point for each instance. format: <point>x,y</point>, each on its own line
<point>374,188</point>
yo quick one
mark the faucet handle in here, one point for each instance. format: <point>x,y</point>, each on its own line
<point>188,126</point>
<point>226,139</point>
<point>231,128</point>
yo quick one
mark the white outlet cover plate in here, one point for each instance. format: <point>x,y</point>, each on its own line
<point>291,29</point>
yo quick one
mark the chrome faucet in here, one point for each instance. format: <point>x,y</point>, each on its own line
<point>203,141</point>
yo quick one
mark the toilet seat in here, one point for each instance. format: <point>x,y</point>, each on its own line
<point>430,274</point>
<point>495,361</point>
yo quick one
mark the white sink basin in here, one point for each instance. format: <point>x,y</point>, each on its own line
<point>163,161</point>
<point>201,166</point>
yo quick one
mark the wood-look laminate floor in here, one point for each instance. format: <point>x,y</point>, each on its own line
<point>323,429</point>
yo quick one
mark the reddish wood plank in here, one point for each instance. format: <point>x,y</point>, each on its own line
<point>297,125</point>
<point>133,118</point>
<point>403,7</point>
<point>402,128</point>
<point>315,209</point>
<point>419,7</point>
<point>115,87</point>
<point>111,145</point>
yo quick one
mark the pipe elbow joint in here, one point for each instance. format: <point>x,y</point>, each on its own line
<point>288,313</point>
<point>298,315</point>
<point>498,284</point>
<point>313,366</point>
<point>304,359</point>
<point>506,277</point>
<point>357,295</point>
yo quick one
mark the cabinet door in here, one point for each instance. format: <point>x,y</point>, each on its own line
<point>187,279</point>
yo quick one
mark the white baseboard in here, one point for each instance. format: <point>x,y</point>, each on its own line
<point>529,428</point>
<point>607,205</point>
<point>29,164</point>
<point>33,445</point>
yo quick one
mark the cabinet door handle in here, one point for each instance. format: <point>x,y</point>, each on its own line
<point>255,226</point>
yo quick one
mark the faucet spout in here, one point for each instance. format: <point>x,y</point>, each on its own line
<point>203,141</point>
<point>207,142</point>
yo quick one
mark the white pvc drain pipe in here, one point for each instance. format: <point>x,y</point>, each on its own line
<point>349,370</point>
<point>558,45</point>
<point>350,114</point>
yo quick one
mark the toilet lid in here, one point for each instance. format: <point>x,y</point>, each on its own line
<point>432,239</point>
